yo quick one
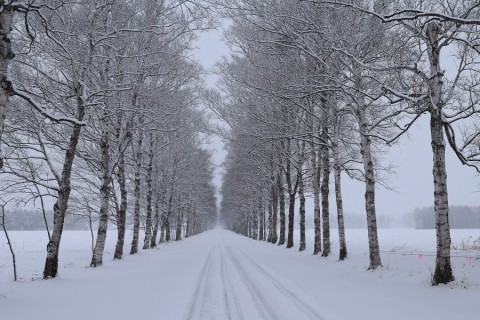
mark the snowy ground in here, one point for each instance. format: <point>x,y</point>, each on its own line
<point>220,275</point>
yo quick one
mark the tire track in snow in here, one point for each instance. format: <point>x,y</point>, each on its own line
<point>313,314</point>
<point>262,303</point>
<point>210,297</point>
<point>229,291</point>
<point>231,285</point>
<point>198,300</point>
<point>303,307</point>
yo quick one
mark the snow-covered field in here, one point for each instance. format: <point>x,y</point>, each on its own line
<point>220,275</point>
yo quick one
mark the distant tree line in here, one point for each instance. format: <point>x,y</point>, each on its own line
<point>461,217</point>
<point>30,220</point>
<point>357,221</point>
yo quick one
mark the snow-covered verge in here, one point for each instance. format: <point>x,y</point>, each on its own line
<point>220,275</point>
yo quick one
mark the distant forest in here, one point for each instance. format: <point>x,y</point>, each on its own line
<point>33,220</point>
<point>359,221</point>
<point>460,217</point>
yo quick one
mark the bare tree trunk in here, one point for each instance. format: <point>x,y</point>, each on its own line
<point>122,212</point>
<point>136,194</point>
<point>251,232</point>
<point>105,190</point>
<point>246,226</point>
<point>44,213</point>
<point>369,173</point>
<point>60,207</point>
<point>272,206</point>
<point>291,218</point>
<point>317,246</point>
<point>325,189</point>
<point>148,224</point>
<point>314,162</point>
<point>261,215</point>
<point>274,214</point>
<point>194,227</point>
<point>178,231</point>
<point>443,268</point>
<point>168,231</point>
<point>292,191</point>
<point>365,146</point>
<point>281,197</point>
<point>188,222</point>
<point>167,217</point>
<point>163,216</point>
<point>9,242</point>
<point>162,228</point>
<point>264,216</point>
<point>90,227</point>
<point>153,241</point>
<point>338,189</point>
<point>6,19</point>
<point>301,194</point>
<point>255,226</point>
<point>270,220</point>
<point>255,221</point>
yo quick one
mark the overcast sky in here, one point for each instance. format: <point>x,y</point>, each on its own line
<point>413,159</point>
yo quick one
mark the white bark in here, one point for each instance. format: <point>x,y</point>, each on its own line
<point>60,207</point>
<point>148,224</point>
<point>136,194</point>
<point>369,173</point>
<point>122,212</point>
<point>156,220</point>
<point>105,190</point>
<point>6,55</point>
<point>338,188</point>
<point>281,200</point>
<point>443,269</point>
<point>301,195</point>
<point>325,186</point>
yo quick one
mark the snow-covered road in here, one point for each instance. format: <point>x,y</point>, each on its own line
<point>234,286</point>
<point>203,278</point>
<point>221,275</point>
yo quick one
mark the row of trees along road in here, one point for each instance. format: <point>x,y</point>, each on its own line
<point>317,88</point>
<point>103,116</point>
